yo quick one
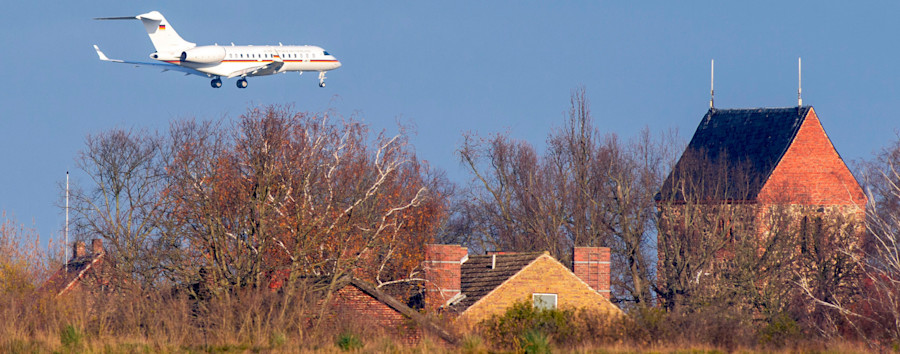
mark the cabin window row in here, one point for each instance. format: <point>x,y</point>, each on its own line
<point>268,56</point>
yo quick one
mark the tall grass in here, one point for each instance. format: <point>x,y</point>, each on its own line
<point>523,328</point>
<point>266,321</point>
<point>163,321</point>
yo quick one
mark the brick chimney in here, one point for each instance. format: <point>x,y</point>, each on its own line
<point>592,266</point>
<point>96,246</point>
<point>78,249</point>
<point>443,265</point>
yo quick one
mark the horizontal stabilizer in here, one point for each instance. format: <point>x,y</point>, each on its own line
<point>163,66</point>
<point>117,18</point>
<point>161,32</point>
<point>101,55</point>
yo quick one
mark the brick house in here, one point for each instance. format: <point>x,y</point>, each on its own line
<point>358,298</point>
<point>746,164</point>
<point>367,306</point>
<point>475,288</point>
<point>87,272</point>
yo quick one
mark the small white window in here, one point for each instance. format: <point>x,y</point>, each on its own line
<point>544,301</point>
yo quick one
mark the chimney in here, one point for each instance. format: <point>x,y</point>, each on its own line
<point>96,246</point>
<point>78,249</point>
<point>592,266</point>
<point>443,267</point>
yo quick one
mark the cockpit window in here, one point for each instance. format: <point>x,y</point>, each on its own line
<point>326,53</point>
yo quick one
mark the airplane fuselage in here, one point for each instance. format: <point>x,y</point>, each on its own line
<point>219,60</point>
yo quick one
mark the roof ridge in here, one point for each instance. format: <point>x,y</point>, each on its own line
<point>759,108</point>
<point>791,142</point>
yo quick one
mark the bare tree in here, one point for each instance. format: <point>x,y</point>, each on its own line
<point>701,213</point>
<point>586,190</point>
<point>120,202</point>
<point>856,289</point>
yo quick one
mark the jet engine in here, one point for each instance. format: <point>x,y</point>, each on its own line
<point>209,54</point>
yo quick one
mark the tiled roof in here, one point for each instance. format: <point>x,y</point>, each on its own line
<point>478,278</point>
<point>754,139</point>
<point>67,275</point>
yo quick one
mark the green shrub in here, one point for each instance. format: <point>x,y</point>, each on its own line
<point>277,339</point>
<point>348,341</point>
<point>510,329</point>
<point>780,330</point>
<point>71,337</point>
<point>535,342</point>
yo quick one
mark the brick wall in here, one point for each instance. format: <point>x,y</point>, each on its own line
<point>442,273</point>
<point>811,172</point>
<point>351,301</point>
<point>591,264</point>
<point>544,275</point>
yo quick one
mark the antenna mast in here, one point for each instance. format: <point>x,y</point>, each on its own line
<point>66,245</point>
<point>712,76</point>
<point>799,83</point>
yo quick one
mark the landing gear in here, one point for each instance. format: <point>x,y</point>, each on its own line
<point>216,83</point>
<point>242,83</point>
<point>321,79</point>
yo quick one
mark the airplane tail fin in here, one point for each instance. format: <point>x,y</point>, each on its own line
<point>161,33</point>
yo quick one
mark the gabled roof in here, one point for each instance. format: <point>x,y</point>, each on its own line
<point>70,274</point>
<point>480,275</point>
<point>753,140</point>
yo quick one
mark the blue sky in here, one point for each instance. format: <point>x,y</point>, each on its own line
<point>445,67</point>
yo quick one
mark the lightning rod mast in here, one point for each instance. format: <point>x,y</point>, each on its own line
<point>799,83</point>
<point>66,245</point>
<point>712,76</point>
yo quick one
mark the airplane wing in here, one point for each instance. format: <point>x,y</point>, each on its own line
<point>267,69</point>
<point>164,66</point>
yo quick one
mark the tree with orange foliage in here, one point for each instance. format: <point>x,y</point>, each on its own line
<point>23,262</point>
<point>283,195</point>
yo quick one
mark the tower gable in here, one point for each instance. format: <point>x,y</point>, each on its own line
<point>811,172</point>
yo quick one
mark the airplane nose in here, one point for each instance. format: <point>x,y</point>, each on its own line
<point>337,64</point>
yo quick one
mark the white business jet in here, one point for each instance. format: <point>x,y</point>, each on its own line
<point>217,62</point>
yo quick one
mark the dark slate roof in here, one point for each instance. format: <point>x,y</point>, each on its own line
<point>68,275</point>
<point>754,139</point>
<point>477,279</point>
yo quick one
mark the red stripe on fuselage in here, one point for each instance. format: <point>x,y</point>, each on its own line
<point>259,61</point>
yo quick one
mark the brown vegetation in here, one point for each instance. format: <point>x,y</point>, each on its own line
<point>218,225</point>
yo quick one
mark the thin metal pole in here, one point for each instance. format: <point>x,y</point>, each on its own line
<point>799,82</point>
<point>712,76</point>
<point>66,245</point>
